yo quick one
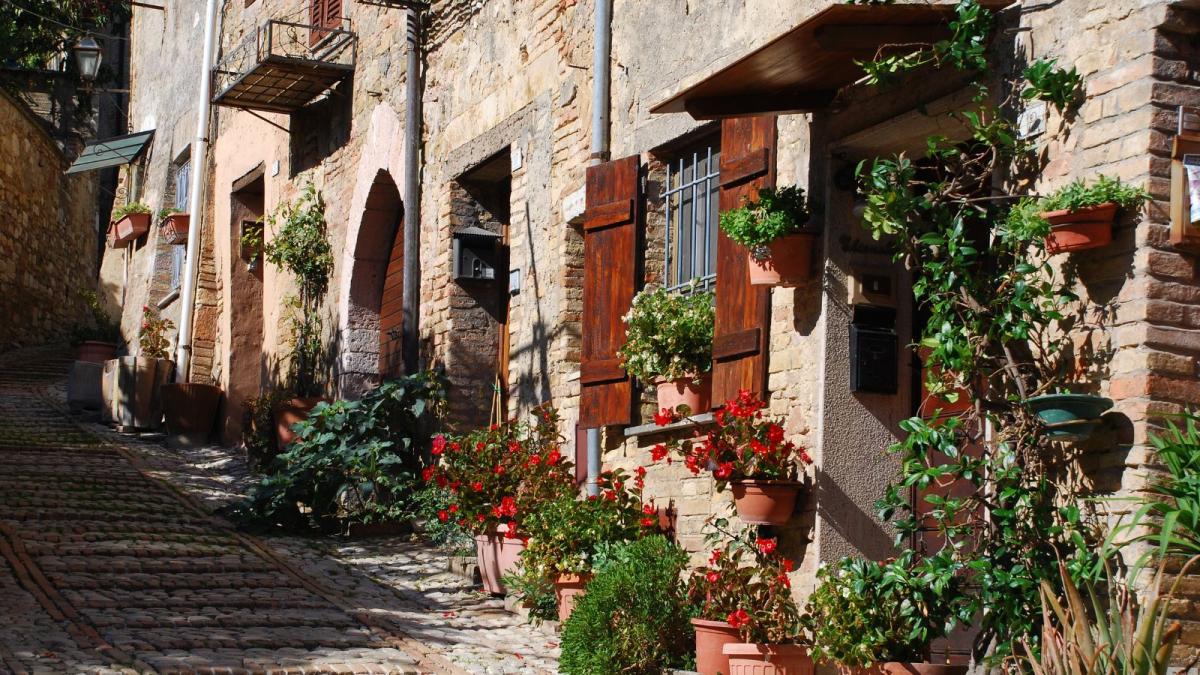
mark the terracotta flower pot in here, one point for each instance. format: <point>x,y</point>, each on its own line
<point>94,351</point>
<point>684,391</point>
<point>790,262</point>
<point>711,638</point>
<point>906,668</point>
<point>175,228</point>
<point>496,556</point>
<point>128,228</point>
<point>133,390</point>
<point>752,659</point>
<point>566,588</point>
<point>190,410</point>
<point>290,412</point>
<point>765,502</point>
<point>1080,230</point>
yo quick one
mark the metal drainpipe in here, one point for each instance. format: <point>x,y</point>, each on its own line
<point>601,102</point>
<point>411,300</point>
<point>187,295</point>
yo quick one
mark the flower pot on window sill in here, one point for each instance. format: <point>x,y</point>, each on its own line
<point>567,587</point>
<point>711,638</point>
<point>752,659</point>
<point>128,228</point>
<point>1069,417</point>
<point>94,351</point>
<point>290,412</point>
<point>684,391</point>
<point>175,228</point>
<point>765,502</point>
<point>497,555</point>
<point>1080,230</point>
<point>190,409</point>
<point>789,264</point>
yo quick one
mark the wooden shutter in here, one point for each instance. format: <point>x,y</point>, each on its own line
<point>333,13</point>
<point>323,14</point>
<point>611,237</point>
<point>748,146</point>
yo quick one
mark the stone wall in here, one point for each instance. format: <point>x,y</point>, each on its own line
<point>48,242</point>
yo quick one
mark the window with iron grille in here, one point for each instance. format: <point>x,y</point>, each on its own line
<point>183,174</point>
<point>690,203</point>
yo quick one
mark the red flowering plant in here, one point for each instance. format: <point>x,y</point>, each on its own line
<point>746,584</point>
<point>743,444</point>
<point>497,476</point>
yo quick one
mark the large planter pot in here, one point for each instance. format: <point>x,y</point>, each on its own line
<point>1080,230</point>
<point>685,391</point>
<point>906,668</point>
<point>94,351</point>
<point>752,659</point>
<point>1069,417</point>
<point>765,502</point>
<point>135,383</point>
<point>711,638</point>
<point>189,410</point>
<point>84,393</point>
<point>497,556</point>
<point>290,412</point>
<point>175,228</point>
<point>567,587</point>
<point>790,262</point>
<point>128,228</point>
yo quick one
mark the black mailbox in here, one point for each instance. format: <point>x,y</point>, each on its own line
<point>874,350</point>
<point>476,254</point>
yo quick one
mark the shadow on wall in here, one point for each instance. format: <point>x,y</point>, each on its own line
<point>321,128</point>
<point>848,519</point>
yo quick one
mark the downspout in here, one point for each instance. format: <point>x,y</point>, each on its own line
<point>411,300</point>
<point>601,102</point>
<point>187,295</point>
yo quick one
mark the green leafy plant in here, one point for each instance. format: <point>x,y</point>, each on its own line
<point>166,211</point>
<point>669,335</point>
<point>97,326</point>
<point>633,618</point>
<point>258,426</point>
<point>776,213</point>
<point>34,31</point>
<point>431,504</point>
<point>128,209</point>
<point>152,340</point>
<point>1047,82</point>
<point>1080,195</point>
<point>865,612</point>
<point>355,461</point>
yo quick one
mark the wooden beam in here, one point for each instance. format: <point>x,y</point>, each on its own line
<point>867,39</point>
<point>750,105</point>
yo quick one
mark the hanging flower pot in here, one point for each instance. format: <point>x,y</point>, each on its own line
<point>567,587</point>
<point>753,659</point>
<point>711,638</point>
<point>787,261</point>
<point>175,228</point>
<point>685,391</point>
<point>765,502</point>
<point>128,227</point>
<point>1069,417</point>
<point>1081,229</point>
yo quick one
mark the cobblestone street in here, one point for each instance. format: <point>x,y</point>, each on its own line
<point>112,562</point>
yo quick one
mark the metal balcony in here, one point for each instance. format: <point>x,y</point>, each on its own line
<point>282,66</point>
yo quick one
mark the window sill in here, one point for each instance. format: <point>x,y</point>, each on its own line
<point>694,421</point>
<point>168,299</point>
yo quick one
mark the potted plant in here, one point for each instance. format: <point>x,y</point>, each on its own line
<point>251,240</point>
<point>779,252</point>
<point>1081,215</point>
<point>301,247</point>
<point>497,477</point>
<point>1068,416</point>
<point>881,617</point>
<point>565,535</point>
<point>713,593</point>
<point>95,339</point>
<point>669,342</point>
<point>128,223</point>
<point>189,410</point>
<point>174,224</point>
<point>745,451</point>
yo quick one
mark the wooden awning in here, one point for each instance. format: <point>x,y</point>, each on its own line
<point>803,69</point>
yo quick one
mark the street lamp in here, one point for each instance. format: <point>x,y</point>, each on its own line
<point>88,56</point>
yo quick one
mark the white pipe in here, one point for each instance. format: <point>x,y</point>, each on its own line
<point>187,295</point>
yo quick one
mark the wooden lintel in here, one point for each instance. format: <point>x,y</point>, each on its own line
<point>750,105</point>
<point>868,39</point>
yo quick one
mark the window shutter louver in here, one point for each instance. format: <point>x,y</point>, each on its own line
<point>611,236</point>
<point>316,19</point>
<point>333,13</point>
<point>748,147</point>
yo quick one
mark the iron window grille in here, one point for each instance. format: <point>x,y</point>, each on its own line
<point>690,200</point>
<point>183,173</point>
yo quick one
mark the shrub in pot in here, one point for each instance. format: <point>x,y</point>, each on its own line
<point>771,228</point>
<point>633,618</point>
<point>1080,215</point>
<point>882,616</point>
<point>137,382</point>
<point>498,477</point>
<point>746,452</point>
<point>174,224</point>
<point>714,595</point>
<point>669,342</point>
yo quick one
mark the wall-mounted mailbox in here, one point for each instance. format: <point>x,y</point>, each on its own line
<point>477,254</point>
<point>874,350</point>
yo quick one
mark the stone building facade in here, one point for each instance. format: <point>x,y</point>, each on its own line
<point>505,149</point>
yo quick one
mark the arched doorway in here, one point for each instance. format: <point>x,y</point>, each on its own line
<point>372,342</point>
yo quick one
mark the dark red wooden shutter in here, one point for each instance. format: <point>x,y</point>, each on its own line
<point>316,19</point>
<point>748,146</point>
<point>333,13</point>
<point>611,233</point>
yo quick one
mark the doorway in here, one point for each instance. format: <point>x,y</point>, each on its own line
<point>247,365</point>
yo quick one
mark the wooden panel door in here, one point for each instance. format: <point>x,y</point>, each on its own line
<point>391,311</point>
<point>740,340</point>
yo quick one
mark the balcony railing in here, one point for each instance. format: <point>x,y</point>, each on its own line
<point>282,66</point>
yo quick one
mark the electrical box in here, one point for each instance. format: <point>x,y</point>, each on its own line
<point>477,254</point>
<point>874,350</point>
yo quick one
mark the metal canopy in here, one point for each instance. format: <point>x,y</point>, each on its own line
<point>803,69</point>
<point>111,152</point>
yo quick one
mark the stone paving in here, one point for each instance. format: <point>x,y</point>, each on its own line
<point>110,561</point>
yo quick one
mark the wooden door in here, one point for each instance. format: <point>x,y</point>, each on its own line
<point>391,311</point>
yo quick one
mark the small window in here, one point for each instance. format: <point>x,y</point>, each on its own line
<point>183,177</point>
<point>177,258</point>
<point>690,200</point>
